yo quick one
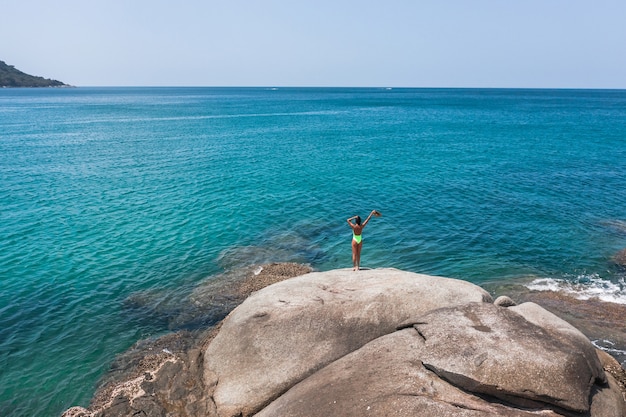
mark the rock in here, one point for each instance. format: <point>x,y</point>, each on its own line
<point>77,412</point>
<point>376,342</point>
<point>384,378</point>
<point>485,349</point>
<point>211,300</point>
<point>289,330</point>
<point>565,334</point>
<point>620,258</point>
<point>504,301</point>
<point>608,401</point>
<point>602,322</point>
<point>164,376</point>
<point>618,226</point>
<point>478,348</point>
<point>616,371</point>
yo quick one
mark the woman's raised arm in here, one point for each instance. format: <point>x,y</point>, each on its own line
<point>369,217</point>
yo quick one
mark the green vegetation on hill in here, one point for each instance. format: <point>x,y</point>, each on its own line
<point>12,77</point>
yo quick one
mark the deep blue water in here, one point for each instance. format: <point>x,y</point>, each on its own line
<point>110,192</point>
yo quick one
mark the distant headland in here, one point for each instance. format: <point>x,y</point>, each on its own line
<point>12,77</point>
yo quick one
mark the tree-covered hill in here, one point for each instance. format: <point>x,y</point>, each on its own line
<point>12,77</point>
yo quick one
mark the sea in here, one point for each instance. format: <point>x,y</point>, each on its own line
<point>116,194</point>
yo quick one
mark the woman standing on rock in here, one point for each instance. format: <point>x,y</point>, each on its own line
<point>357,243</point>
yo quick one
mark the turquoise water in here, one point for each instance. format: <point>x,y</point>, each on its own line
<point>106,193</point>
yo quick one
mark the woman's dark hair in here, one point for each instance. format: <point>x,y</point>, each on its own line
<point>358,220</point>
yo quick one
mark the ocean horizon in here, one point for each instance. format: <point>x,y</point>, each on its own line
<point>109,195</point>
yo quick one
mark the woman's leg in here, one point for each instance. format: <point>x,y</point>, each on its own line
<point>358,255</point>
<point>355,251</point>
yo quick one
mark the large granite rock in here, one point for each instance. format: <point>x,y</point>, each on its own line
<point>486,349</point>
<point>377,342</point>
<point>326,344</point>
<point>287,331</point>
<point>384,378</point>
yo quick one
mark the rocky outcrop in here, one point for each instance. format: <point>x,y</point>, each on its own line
<point>384,378</point>
<point>285,332</point>
<point>379,342</point>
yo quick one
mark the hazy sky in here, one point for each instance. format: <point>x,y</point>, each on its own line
<point>412,43</point>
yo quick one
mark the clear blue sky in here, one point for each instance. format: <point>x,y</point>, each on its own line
<point>412,43</point>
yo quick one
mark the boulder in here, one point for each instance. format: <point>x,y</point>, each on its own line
<point>287,331</point>
<point>504,301</point>
<point>565,335</point>
<point>608,401</point>
<point>495,351</point>
<point>474,360</point>
<point>385,378</point>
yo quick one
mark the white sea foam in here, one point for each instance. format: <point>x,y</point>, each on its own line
<point>584,287</point>
<point>609,347</point>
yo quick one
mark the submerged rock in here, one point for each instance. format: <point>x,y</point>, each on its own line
<point>376,342</point>
<point>164,376</point>
<point>210,301</point>
<point>620,258</point>
<point>617,225</point>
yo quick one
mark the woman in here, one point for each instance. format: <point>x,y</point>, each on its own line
<point>357,243</point>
